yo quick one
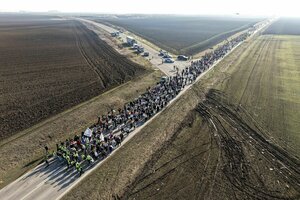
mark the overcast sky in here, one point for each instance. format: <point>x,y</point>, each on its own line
<point>244,7</point>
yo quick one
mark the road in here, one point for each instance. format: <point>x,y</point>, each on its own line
<point>154,58</point>
<point>53,182</point>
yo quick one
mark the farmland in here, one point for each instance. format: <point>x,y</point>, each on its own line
<point>234,135</point>
<point>48,65</point>
<point>285,26</point>
<point>182,35</point>
<point>239,145</point>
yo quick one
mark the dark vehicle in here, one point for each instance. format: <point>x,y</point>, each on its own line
<point>169,60</point>
<point>167,56</point>
<point>140,49</point>
<point>182,57</point>
<point>162,53</point>
<point>115,34</point>
<point>164,79</point>
<point>146,54</point>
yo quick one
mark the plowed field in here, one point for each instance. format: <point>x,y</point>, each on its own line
<point>47,66</point>
<point>182,34</point>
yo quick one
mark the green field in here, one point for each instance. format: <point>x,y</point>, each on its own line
<point>267,85</point>
<point>235,135</point>
<point>182,34</point>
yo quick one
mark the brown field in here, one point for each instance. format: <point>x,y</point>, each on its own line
<point>243,140</point>
<point>217,141</point>
<point>181,34</point>
<point>47,66</point>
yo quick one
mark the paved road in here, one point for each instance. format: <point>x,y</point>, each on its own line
<point>154,58</point>
<point>53,182</point>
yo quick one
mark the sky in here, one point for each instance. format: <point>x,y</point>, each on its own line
<point>186,7</point>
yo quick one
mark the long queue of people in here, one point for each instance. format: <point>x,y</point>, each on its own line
<point>99,140</point>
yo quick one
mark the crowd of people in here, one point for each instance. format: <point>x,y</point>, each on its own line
<point>99,140</point>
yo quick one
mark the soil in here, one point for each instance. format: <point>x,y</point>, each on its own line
<point>48,66</point>
<point>222,155</point>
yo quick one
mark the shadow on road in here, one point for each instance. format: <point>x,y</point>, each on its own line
<point>57,174</point>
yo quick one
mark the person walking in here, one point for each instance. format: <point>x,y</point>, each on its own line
<point>79,168</point>
<point>47,156</point>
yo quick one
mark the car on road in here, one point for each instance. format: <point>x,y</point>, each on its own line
<point>135,46</point>
<point>167,56</point>
<point>140,49</point>
<point>164,79</point>
<point>146,54</point>
<point>169,60</point>
<point>162,53</point>
<point>182,57</point>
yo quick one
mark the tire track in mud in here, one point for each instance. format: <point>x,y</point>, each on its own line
<point>110,67</point>
<point>85,57</point>
<point>208,159</point>
<point>235,135</point>
<point>216,170</point>
<point>236,121</point>
<point>152,175</point>
<point>237,170</point>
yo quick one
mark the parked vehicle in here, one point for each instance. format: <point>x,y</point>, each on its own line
<point>130,41</point>
<point>140,49</point>
<point>182,57</point>
<point>146,54</point>
<point>162,53</point>
<point>164,79</point>
<point>169,60</point>
<point>115,34</point>
<point>167,56</point>
<point>135,46</point>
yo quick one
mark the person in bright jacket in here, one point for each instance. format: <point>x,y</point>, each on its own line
<point>79,168</point>
<point>90,159</point>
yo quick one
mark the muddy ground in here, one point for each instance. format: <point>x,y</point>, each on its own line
<point>220,154</point>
